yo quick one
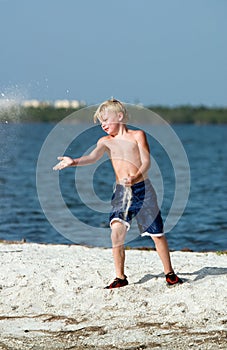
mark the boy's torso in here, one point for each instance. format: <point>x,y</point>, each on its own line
<point>124,154</point>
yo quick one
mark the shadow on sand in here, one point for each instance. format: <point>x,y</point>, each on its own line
<point>199,274</point>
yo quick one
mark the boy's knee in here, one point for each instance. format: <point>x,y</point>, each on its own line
<point>158,238</point>
<point>118,233</point>
<point>119,227</point>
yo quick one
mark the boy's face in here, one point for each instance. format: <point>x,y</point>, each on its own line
<point>110,121</point>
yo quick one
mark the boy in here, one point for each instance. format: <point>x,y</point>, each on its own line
<point>134,195</point>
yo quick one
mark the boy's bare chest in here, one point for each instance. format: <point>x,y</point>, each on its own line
<point>123,149</point>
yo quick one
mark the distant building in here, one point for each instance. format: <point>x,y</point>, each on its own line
<point>56,104</point>
<point>31,103</point>
<point>62,104</point>
<point>67,104</point>
<point>75,104</point>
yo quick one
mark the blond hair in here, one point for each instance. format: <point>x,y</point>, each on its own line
<point>112,105</point>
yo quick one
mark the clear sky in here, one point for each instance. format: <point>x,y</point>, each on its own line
<point>168,52</point>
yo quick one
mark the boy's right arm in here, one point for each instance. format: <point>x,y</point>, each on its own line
<point>91,158</point>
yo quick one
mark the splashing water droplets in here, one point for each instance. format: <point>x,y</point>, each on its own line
<point>10,104</point>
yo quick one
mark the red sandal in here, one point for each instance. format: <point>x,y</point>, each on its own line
<point>117,283</point>
<point>172,278</point>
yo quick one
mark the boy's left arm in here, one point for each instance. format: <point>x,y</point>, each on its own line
<point>144,150</point>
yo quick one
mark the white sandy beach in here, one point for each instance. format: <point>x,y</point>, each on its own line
<point>52,297</point>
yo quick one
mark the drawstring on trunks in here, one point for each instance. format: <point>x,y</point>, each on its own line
<point>127,199</point>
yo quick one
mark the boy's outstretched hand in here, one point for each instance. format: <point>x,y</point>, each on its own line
<point>65,162</point>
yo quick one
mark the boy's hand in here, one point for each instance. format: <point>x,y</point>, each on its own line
<point>129,181</point>
<point>65,162</point>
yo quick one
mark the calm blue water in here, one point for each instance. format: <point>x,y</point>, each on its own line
<point>202,227</point>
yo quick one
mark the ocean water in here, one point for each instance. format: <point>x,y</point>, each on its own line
<point>73,205</point>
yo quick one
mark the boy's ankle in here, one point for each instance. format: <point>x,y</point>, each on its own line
<point>121,277</point>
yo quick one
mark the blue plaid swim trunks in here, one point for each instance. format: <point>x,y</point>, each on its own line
<point>138,201</point>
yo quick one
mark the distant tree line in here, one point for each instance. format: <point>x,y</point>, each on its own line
<point>190,114</point>
<point>181,114</point>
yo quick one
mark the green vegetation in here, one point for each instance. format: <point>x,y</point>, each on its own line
<point>189,114</point>
<point>44,114</point>
<point>181,114</point>
<point>221,252</point>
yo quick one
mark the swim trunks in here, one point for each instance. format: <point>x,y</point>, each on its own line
<point>139,201</point>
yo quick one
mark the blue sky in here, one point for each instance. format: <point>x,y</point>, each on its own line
<point>167,52</point>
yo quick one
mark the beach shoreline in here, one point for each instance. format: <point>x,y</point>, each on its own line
<point>52,297</point>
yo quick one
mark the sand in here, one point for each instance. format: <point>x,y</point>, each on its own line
<point>52,297</point>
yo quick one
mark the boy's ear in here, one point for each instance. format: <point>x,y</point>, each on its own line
<point>121,116</point>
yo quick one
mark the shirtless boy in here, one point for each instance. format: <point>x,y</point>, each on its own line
<point>134,195</point>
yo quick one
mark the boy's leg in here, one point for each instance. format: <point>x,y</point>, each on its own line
<point>162,248</point>
<point>163,252</point>
<point>118,237</point>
